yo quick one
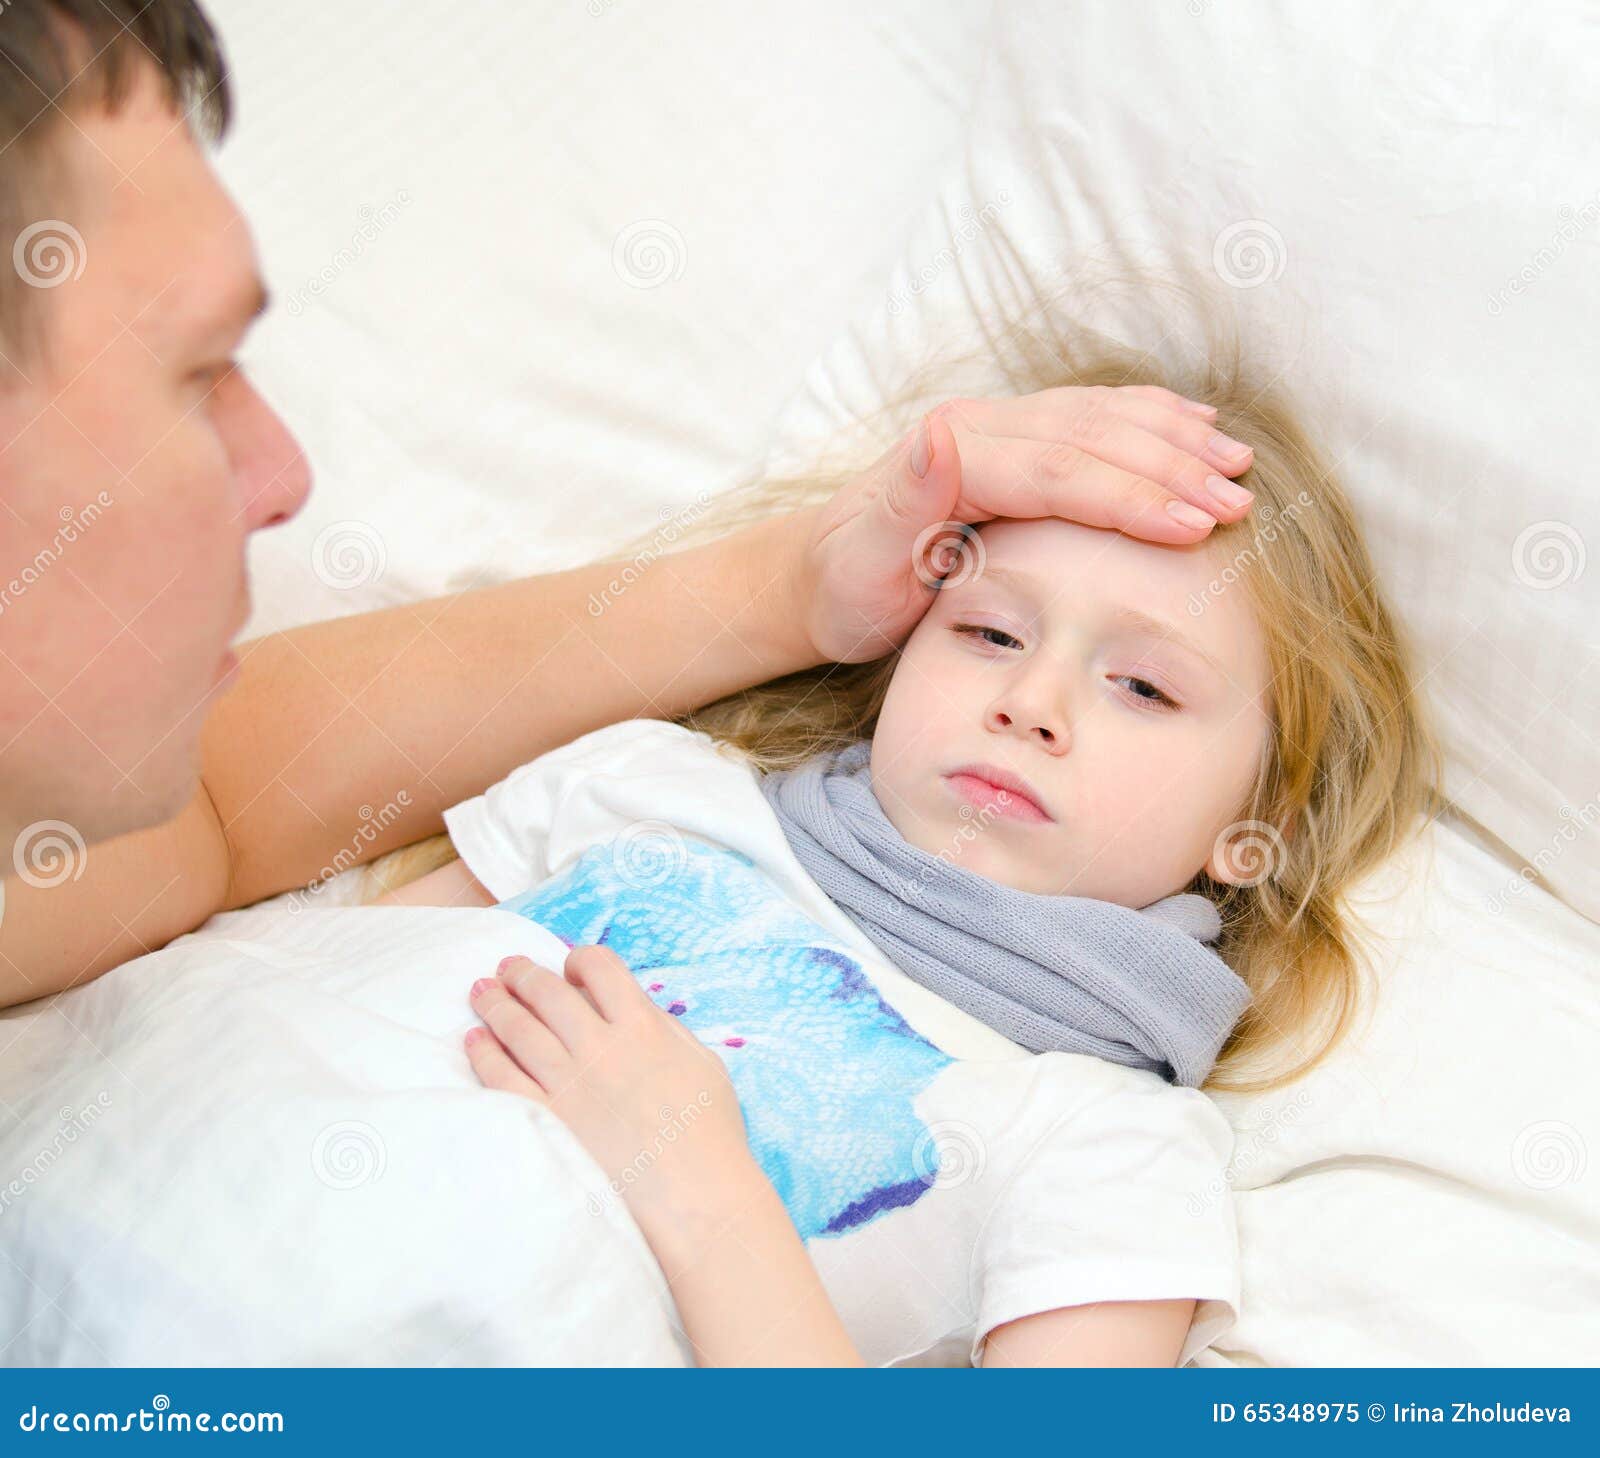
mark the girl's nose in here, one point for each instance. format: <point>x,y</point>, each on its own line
<point>1034,711</point>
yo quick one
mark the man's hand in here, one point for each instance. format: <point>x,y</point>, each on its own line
<point>1137,459</point>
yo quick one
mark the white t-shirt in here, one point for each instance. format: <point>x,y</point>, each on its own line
<point>945,1180</point>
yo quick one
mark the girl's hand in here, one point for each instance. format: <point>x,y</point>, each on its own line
<point>658,1113</point>
<point>652,1105</point>
<point>1135,458</point>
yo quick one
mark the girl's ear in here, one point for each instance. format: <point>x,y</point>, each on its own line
<point>1249,852</point>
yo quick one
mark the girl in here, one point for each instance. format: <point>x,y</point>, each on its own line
<point>895,985</point>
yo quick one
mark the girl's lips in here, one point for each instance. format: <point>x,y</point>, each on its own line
<point>986,796</point>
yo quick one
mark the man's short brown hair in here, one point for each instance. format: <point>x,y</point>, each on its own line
<point>57,55</point>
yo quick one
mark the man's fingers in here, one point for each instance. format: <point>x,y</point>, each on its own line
<point>1027,479</point>
<point>495,1069</point>
<point>1075,413</point>
<point>917,501</point>
<point>1173,450</point>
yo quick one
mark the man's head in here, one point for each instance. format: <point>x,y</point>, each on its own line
<point>135,458</point>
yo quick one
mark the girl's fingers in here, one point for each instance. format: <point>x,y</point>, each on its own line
<point>601,973</point>
<point>560,1006</point>
<point>1028,478</point>
<point>495,1068</point>
<point>538,1052</point>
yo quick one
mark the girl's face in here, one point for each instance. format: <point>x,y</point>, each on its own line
<point>1067,657</point>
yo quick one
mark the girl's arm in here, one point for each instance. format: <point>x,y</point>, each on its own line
<point>746,1290</point>
<point>452,884</point>
<point>656,1110</point>
<point>1103,1334</point>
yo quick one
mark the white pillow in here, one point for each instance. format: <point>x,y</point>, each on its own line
<point>544,274</point>
<point>1425,1196</point>
<point>1403,203</point>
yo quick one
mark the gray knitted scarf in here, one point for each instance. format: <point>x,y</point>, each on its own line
<point>1064,973</point>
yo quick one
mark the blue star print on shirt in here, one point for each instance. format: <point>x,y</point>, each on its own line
<point>825,1070</point>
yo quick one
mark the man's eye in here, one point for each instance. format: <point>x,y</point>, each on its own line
<point>1145,691</point>
<point>208,377</point>
<point>989,635</point>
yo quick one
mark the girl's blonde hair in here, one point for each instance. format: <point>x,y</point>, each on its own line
<point>1351,765</point>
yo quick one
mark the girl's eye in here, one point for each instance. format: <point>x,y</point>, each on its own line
<point>1145,691</point>
<point>989,635</point>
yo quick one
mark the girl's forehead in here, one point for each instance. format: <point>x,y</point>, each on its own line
<point>1058,552</point>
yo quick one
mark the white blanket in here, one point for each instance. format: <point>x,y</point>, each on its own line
<point>243,1151</point>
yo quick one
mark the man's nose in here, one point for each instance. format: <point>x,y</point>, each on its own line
<point>270,470</point>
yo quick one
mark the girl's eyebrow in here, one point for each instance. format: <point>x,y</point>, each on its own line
<point>1167,632</point>
<point>1026,585</point>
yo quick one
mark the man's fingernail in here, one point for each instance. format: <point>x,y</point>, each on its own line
<point>921,449</point>
<point>1190,516</point>
<point>1229,493</point>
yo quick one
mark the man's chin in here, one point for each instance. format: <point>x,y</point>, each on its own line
<point>157,805</point>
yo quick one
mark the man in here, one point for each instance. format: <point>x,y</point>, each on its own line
<point>136,459</point>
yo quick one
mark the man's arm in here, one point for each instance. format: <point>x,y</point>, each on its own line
<point>350,738</point>
<point>345,739</point>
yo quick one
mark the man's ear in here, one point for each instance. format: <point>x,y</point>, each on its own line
<point>1248,852</point>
